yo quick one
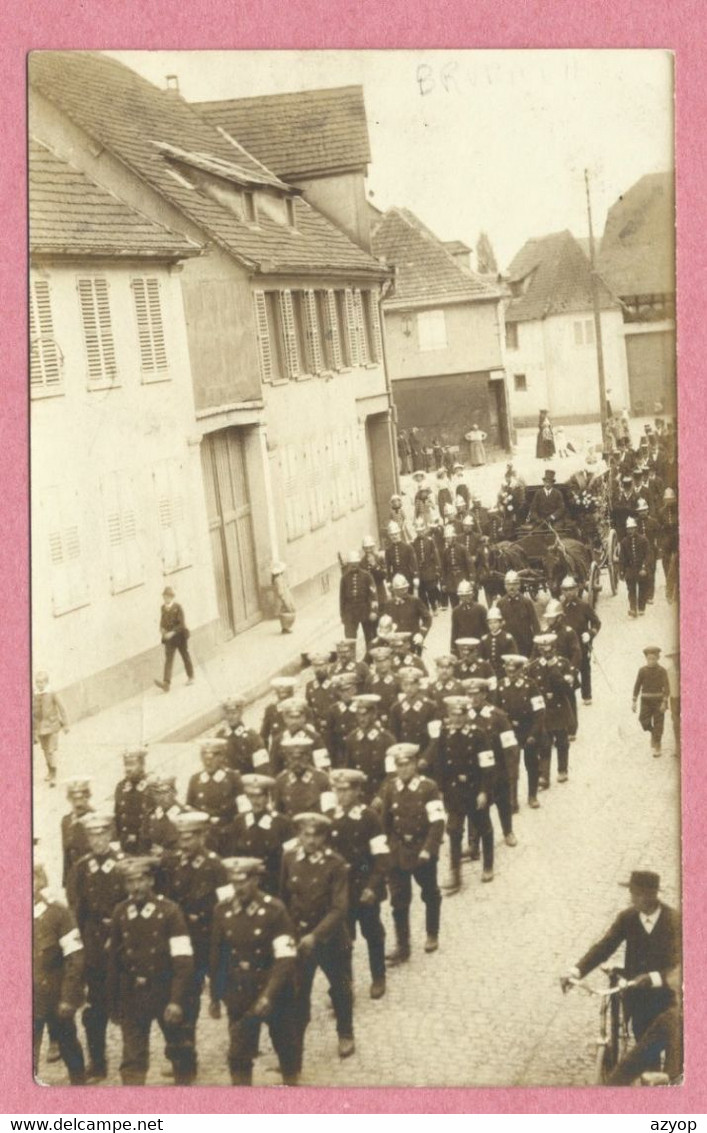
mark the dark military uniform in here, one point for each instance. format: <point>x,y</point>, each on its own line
<point>520,621</point>
<point>428,560</point>
<point>350,665</point>
<point>409,720</point>
<point>357,834</point>
<point>273,723</point>
<point>387,688</point>
<point>132,806</point>
<point>442,688</point>
<point>314,888</point>
<point>493,646</point>
<point>400,558</point>
<point>635,565</point>
<point>623,506</point>
<point>554,680</point>
<point>260,837</point>
<point>320,753</point>
<point>650,527</point>
<point>358,602</point>
<point>215,793</point>
<point>365,751</point>
<point>252,957</point>
<point>158,828</point>
<point>195,882</point>
<point>654,689</point>
<point>409,661</point>
<point>374,563</point>
<point>342,719</point>
<point>150,965</point>
<point>464,766</point>
<point>478,668</point>
<point>413,821</point>
<point>506,751</point>
<point>246,752</point>
<point>586,624</point>
<point>522,702</point>
<point>296,793</point>
<point>455,568</point>
<point>468,620</point>
<point>320,694</point>
<point>74,843</point>
<point>57,966</point>
<point>410,615</point>
<point>97,887</point>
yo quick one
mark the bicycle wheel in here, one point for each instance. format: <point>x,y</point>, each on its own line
<point>612,560</point>
<point>593,585</point>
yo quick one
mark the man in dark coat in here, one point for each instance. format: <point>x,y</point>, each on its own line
<point>175,638</point>
<point>548,503</point>
<point>358,599</point>
<point>634,566</point>
<point>410,615</point>
<point>519,615</point>
<point>57,967</point>
<point>468,617</point>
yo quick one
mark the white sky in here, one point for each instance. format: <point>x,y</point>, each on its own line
<point>500,139</point>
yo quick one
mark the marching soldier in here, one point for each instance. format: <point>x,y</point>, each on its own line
<point>294,716</point>
<point>403,655</point>
<point>347,664</point>
<point>553,677</point>
<point>623,505</point>
<point>97,886</point>
<point>649,527</point>
<point>284,688</point>
<point>132,802</point>
<point>471,665</point>
<point>215,790</point>
<point>496,642</point>
<point>357,834</point>
<point>300,784</point>
<point>314,888</point>
<point>382,681</point>
<point>400,558</point>
<point>464,769</point>
<point>342,717</point>
<point>358,599</point>
<point>567,645</point>
<point>504,744</point>
<point>470,538</point>
<point>409,614</point>
<point>413,822</point>
<point>522,702</point>
<point>367,744</point>
<point>259,832</point>
<point>425,549</point>
<point>446,683</point>
<point>245,750</point>
<point>319,692</point>
<point>74,842</point>
<point>653,687</point>
<point>195,879</point>
<point>159,831</point>
<point>456,567</point>
<point>150,966</point>
<point>57,966</point>
<point>469,616</point>
<point>373,561</point>
<point>519,616</point>
<point>634,566</point>
<point>412,714</point>
<point>252,964</point>
<point>397,519</point>
<point>586,624</point>
<point>669,542</point>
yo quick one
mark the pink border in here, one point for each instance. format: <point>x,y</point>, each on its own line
<point>385,24</point>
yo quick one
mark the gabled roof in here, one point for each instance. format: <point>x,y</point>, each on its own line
<point>551,276</point>
<point>306,133</point>
<point>134,121</point>
<point>69,214</point>
<point>425,272</point>
<point>637,254</point>
<point>456,247</point>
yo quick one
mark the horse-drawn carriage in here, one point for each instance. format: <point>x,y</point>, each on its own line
<point>581,544</point>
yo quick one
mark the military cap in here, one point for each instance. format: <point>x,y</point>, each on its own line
<point>399,582</point>
<point>468,642</point>
<point>643,879</point>
<point>344,679</point>
<point>464,587</point>
<point>368,541</point>
<point>213,744</point>
<point>445,659</point>
<point>514,659</point>
<point>348,777</point>
<point>353,557</point>
<point>141,866</point>
<point>243,867</point>
<point>237,701</point>
<point>475,684</point>
<point>168,592</point>
<point>631,522</point>
<point>293,704</point>
<point>401,636</point>
<point>293,743</point>
<point>456,705</point>
<point>138,751</point>
<point>554,609</point>
<point>282,683</point>
<point>652,651</point>
<point>626,479</point>
<point>494,614</point>
<point>366,700</point>
<point>312,818</point>
<point>317,659</point>
<point>257,784</point>
<point>409,673</point>
<point>403,752</point>
<point>568,582</point>
<point>96,822</point>
<point>346,643</point>
<point>78,786</point>
<point>381,652</point>
<point>418,475</point>
<point>159,779</point>
<point>545,638</point>
<point>511,576</point>
<point>189,821</point>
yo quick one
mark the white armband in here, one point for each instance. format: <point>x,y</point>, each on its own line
<point>291,844</point>
<point>283,947</point>
<point>327,801</point>
<point>508,739</point>
<point>378,845</point>
<point>260,757</point>
<point>320,758</point>
<point>486,759</point>
<point>435,810</point>
<point>180,946</point>
<point>225,892</point>
<point>71,942</point>
<point>537,702</point>
<point>243,804</point>
<point>434,728</point>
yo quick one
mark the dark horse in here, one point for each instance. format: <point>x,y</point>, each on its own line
<point>563,557</point>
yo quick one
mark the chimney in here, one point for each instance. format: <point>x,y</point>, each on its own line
<point>172,86</point>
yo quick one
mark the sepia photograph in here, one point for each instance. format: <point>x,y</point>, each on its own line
<point>355,568</point>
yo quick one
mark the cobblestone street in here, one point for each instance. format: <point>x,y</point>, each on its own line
<point>487,1009</point>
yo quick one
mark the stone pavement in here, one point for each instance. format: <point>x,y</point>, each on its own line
<point>487,1008</point>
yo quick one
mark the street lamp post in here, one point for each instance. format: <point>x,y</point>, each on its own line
<point>597,315</point>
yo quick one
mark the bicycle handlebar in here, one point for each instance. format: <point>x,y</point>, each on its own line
<point>605,992</point>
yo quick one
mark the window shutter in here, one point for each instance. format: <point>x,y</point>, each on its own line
<point>169,478</point>
<point>288,324</point>
<point>360,330</point>
<point>261,326</point>
<point>288,468</point>
<point>376,330</point>
<point>313,342</point>
<point>150,326</point>
<point>45,356</point>
<point>68,568</point>
<point>124,555</point>
<point>351,327</point>
<point>333,330</point>
<point>98,332</point>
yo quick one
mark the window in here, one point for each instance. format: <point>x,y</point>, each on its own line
<point>329,336</point>
<point>46,363</point>
<point>362,330</point>
<point>169,478</point>
<point>315,457</point>
<point>347,346</point>
<point>294,484</point>
<point>520,383</point>
<point>291,212</point>
<point>373,325</point>
<point>125,559</point>
<point>312,334</point>
<point>584,332</point>
<point>431,330</point>
<point>98,332</point>
<point>250,208</point>
<point>150,329</point>
<point>299,311</point>
<point>271,342</point>
<point>511,336</point>
<point>290,336</point>
<point>69,583</point>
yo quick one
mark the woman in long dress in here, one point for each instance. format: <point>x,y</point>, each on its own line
<point>476,438</point>
<point>545,445</point>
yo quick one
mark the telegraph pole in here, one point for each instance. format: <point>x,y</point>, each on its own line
<point>597,315</point>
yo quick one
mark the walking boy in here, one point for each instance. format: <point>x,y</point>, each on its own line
<point>653,687</point>
<point>175,637</point>
<point>48,719</point>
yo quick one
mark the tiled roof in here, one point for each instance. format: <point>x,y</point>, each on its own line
<point>304,133</point>
<point>551,276</point>
<point>71,215</point>
<point>637,254</point>
<point>131,117</point>
<point>455,247</point>
<point>425,272</point>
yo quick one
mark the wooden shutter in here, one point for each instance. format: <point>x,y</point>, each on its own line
<point>67,563</point>
<point>150,326</point>
<point>360,329</point>
<point>333,331</point>
<point>375,325</point>
<point>261,326</point>
<point>169,478</point>
<point>45,356</point>
<point>351,327</point>
<point>125,559</point>
<point>290,470</point>
<point>314,345</point>
<point>98,331</point>
<point>317,494</point>
<point>288,326</point>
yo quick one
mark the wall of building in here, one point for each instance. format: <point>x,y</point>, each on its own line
<point>94,582</point>
<point>651,362</point>
<point>473,342</point>
<point>446,407</point>
<point>341,198</point>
